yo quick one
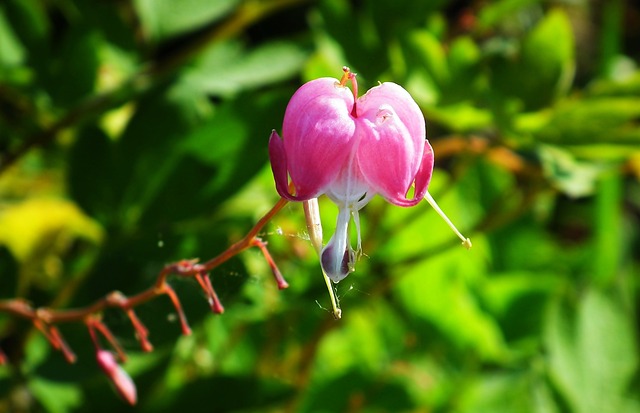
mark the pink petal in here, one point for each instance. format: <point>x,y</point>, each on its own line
<point>317,132</point>
<point>390,152</point>
<point>423,176</point>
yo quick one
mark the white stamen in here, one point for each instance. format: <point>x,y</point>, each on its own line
<point>466,242</point>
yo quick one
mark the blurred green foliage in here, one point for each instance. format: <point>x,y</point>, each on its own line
<point>134,133</point>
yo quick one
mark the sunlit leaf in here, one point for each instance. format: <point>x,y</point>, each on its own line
<point>227,69</point>
<point>56,397</point>
<point>509,393</point>
<point>593,121</point>
<point>166,18</point>
<point>424,49</point>
<point>24,224</point>
<point>572,176</point>
<point>502,12</point>
<point>12,52</point>
<point>461,117</point>
<point>511,70</point>
<point>592,353</point>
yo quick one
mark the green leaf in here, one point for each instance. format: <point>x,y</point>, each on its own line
<point>508,393</point>
<point>518,299</point>
<point>377,394</point>
<point>593,121</point>
<point>501,11</point>
<point>628,85</point>
<point>465,72</point>
<point>432,291</point>
<point>226,394</point>
<point>424,50</point>
<point>366,342</point>
<point>592,353</point>
<point>29,21</point>
<point>56,397</point>
<point>135,169</point>
<point>225,69</point>
<point>554,68</point>
<point>89,177</point>
<point>573,177</point>
<point>525,73</point>
<point>162,19</point>
<point>72,74</point>
<point>463,53</point>
<point>12,52</point>
<point>608,229</point>
<point>461,117</point>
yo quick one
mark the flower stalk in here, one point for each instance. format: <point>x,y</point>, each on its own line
<point>46,319</point>
<point>314,229</point>
<point>350,149</point>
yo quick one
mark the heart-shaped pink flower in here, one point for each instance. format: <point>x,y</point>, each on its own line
<point>351,148</point>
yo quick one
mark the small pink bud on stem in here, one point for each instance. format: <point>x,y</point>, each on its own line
<point>123,383</point>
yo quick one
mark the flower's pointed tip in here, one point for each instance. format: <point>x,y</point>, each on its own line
<point>335,265</point>
<point>283,285</point>
<point>278,158</point>
<point>467,243</point>
<point>335,276</point>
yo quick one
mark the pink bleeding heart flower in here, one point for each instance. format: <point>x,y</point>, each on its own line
<point>351,148</point>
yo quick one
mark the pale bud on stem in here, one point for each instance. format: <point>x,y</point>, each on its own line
<point>314,228</point>
<point>118,377</point>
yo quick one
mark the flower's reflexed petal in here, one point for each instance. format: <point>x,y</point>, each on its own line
<point>278,157</point>
<point>423,178</point>
<point>337,257</point>
<point>317,131</point>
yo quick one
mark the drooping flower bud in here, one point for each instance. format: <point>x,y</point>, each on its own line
<point>118,377</point>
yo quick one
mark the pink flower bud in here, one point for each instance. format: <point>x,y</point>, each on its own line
<point>350,149</point>
<point>120,379</point>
